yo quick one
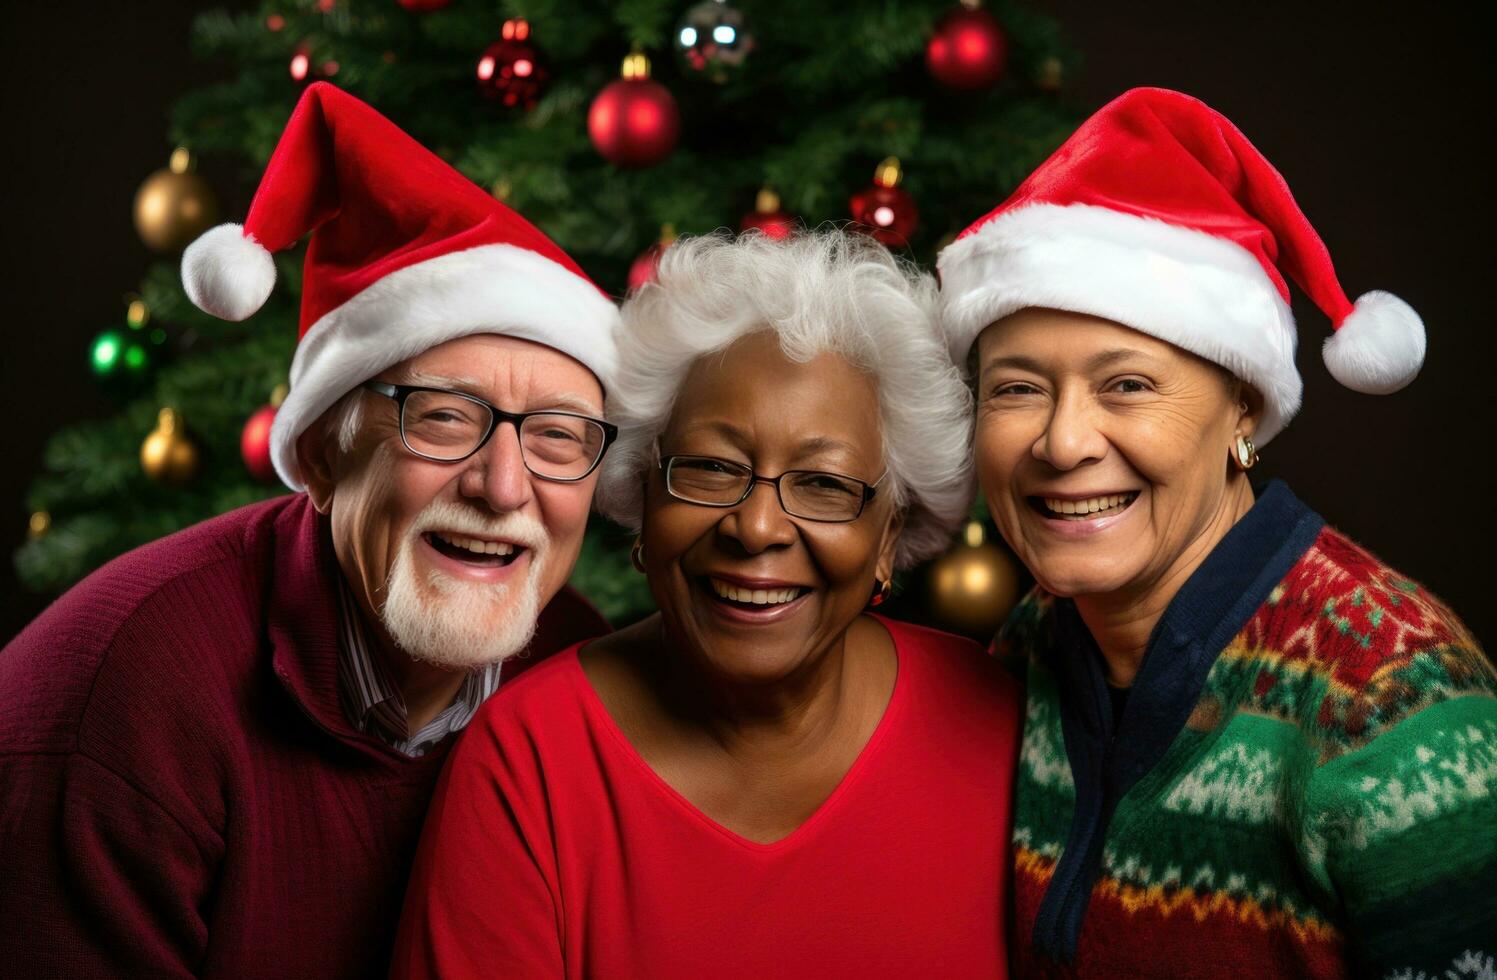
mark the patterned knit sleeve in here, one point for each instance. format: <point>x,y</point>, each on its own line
<point>1400,818</point>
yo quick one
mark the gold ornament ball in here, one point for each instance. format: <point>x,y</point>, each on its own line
<point>174,206</point>
<point>1052,74</point>
<point>39,525</point>
<point>168,456</point>
<point>974,586</point>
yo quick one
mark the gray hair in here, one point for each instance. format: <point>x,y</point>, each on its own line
<point>828,290</point>
<point>345,418</point>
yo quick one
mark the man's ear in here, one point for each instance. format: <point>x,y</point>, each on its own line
<point>314,456</point>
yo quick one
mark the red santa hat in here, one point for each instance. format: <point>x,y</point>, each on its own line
<point>1160,215</point>
<point>406,253</point>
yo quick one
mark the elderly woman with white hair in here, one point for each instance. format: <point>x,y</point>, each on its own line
<point>763,778</point>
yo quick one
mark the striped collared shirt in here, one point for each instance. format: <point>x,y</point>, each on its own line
<point>371,701</point>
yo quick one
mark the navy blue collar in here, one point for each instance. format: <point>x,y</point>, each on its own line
<point>1108,756</point>
<point>1212,607</point>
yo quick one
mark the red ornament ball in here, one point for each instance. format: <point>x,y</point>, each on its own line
<point>776,224</point>
<point>887,213</point>
<point>634,122</point>
<point>768,218</point>
<point>254,445</point>
<point>424,6</point>
<point>511,73</point>
<point>968,50</point>
<point>511,70</point>
<point>642,270</point>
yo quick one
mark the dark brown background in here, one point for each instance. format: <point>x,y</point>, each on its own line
<point>1379,115</point>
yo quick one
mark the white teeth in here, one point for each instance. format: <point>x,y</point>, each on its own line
<point>476,546</point>
<point>1092,505</point>
<point>758,597</point>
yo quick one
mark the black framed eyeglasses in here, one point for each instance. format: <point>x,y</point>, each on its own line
<point>449,426</point>
<point>830,498</point>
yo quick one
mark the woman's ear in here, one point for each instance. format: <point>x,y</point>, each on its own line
<point>883,570</point>
<point>314,457</point>
<point>1249,409</point>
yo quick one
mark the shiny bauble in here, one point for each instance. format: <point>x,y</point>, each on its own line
<point>119,355</point>
<point>974,586</point>
<point>768,218</point>
<point>174,206</point>
<point>713,41</point>
<point>634,121</point>
<point>511,71</point>
<point>168,455</point>
<point>885,210</point>
<point>39,525</point>
<point>254,444</point>
<point>643,269</point>
<point>968,50</point>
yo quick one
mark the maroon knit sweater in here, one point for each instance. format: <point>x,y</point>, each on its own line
<point>179,791</point>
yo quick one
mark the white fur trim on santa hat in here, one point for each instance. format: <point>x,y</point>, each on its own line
<point>227,273</point>
<point>1199,292</point>
<point>1379,347</point>
<point>498,289</point>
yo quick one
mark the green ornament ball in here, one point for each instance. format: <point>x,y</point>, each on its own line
<point>118,354</point>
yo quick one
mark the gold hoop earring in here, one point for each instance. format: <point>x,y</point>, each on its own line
<point>637,555</point>
<point>881,594</point>
<point>1245,454</point>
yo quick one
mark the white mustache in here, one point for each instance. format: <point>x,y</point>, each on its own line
<point>443,515</point>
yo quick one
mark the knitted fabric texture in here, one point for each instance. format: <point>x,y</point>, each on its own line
<point>1328,809</point>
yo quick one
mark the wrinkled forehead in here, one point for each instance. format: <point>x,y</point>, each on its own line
<point>1063,337</point>
<point>755,398</point>
<point>516,374</point>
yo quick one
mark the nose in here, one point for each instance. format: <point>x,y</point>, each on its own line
<point>496,474</point>
<point>759,523</point>
<point>1071,438</point>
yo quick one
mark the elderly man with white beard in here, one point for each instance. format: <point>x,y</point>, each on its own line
<point>216,751</point>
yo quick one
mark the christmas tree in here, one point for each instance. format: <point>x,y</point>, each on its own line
<point>909,117</point>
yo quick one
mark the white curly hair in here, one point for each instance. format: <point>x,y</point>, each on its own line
<point>827,290</point>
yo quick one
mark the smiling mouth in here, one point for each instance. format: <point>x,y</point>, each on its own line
<point>473,551</point>
<point>741,597</point>
<point>1090,509</point>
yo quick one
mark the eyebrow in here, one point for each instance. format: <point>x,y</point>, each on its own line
<point>565,401</point>
<point>1098,361</point>
<point>423,379</point>
<point>822,444</point>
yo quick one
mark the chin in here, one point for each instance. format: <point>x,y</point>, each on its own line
<point>1071,578</point>
<point>456,623</point>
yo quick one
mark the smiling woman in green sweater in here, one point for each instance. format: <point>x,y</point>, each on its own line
<point>1250,747</point>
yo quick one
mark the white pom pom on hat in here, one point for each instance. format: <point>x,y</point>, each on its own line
<point>227,273</point>
<point>1379,347</point>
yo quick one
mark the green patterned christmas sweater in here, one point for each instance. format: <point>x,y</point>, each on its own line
<point>1302,780</point>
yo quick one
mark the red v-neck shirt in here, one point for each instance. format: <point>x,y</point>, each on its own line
<point>553,850</point>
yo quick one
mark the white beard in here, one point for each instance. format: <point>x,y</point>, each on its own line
<point>456,623</point>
